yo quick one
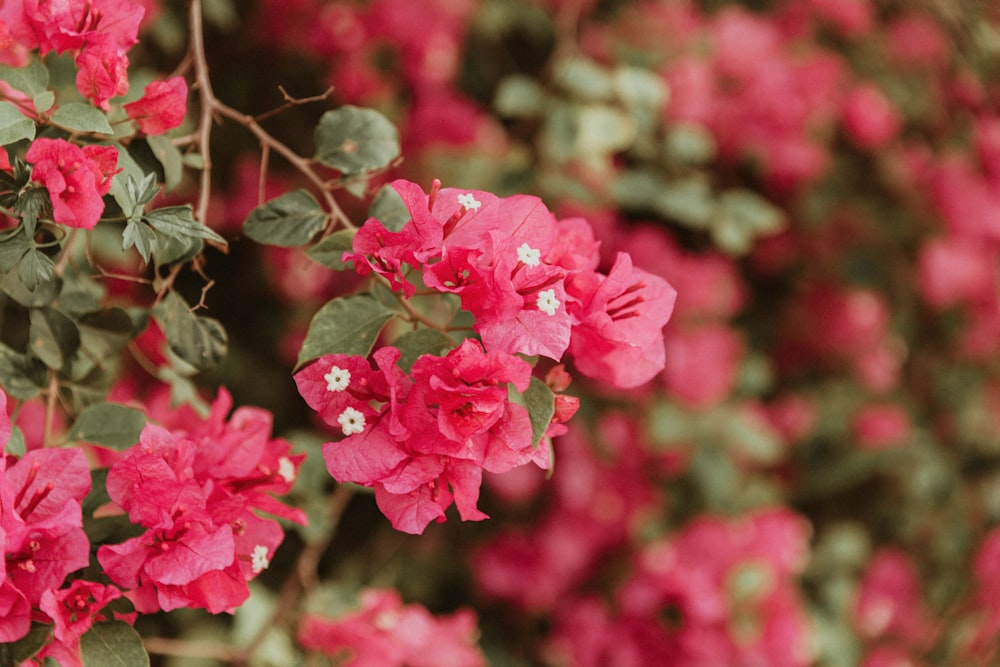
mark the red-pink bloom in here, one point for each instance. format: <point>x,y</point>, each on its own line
<point>387,633</point>
<point>617,335</point>
<point>102,73</point>
<point>76,178</point>
<point>701,363</point>
<point>73,611</point>
<point>198,490</point>
<point>41,531</point>
<point>162,107</point>
<point>71,26</point>
<point>880,426</point>
<point>870,119</point>
<point>889,601</point>
<point>954,270</point>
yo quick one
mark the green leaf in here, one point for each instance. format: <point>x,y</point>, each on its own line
<point>15,444</point>
<point>112,644</point>
<point>12,249</point>
<point>179,222</point>
<point>287,221</point>
<point>22,376</point>
<point>413,344</point>
<point>140,236</point>
<point>80,117</point>
<point>169,156</point>
<point>35,268</point>
<point>105,333</point>
<point>31,79</point>
<point>53,336</point>
<point>329,251</point>
<point>389,209</point>
<point>43,293</point>
<point>31,205</point>
<point>14,125</point>
<point>44,100</point>
<point>197,340</point>
<point>519,96</point>
<point>126,199</point>
<point>15,653</point>
<point>541,405</point>
<point>353,140</point>
<point>108,424</point>
<point>348,325</point>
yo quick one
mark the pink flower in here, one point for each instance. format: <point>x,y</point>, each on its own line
<point>617,336</point>
<point>889,602</point>
<point>162,107</point>
<point>870,119</point>
<point>955,270</point>
<point>73,611</point>
<point>102,74</point>
<point>387,633</point>
<point>701,363</point>
<point>76,178</point>
<point>881,426</point>
<point>71,26</point>
<point>41,531</point>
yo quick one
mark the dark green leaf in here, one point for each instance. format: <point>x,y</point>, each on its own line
<point>354,140</point>
<point>329,251</point>
<point>80,117</point>
<point>131,172</point>
<point>348,325</point>
<point>98,494</point>
<point>104,333</point>
<point>22,376</point>
<point>413,344</point>
<point>169,157</point>
<point>108,424</point>
<point>541,404</point>
<point>175,249</point>
<point>112,644</point>
<point>14,125</point>
<point>35,268</point>
<point>15,653</point>
<point>389,209</point>
<point>288,221</point>
<point>42,295</point>
<point>53,336</point>
<point>141,236</point>
<point>178,221</point>
<point>199,341</point>
<point>31,205</point>
<point>12,249</point>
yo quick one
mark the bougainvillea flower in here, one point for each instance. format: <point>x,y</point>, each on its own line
<point>76,179</point>
<point>618,337</point>
<point>102,74</point>
<point>73,611</point>
<point>387,633</point>
<point>162,106</point>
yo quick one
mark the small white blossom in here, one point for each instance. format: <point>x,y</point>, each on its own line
<point>286,469</point>
<point>547,301</point>
<point>258,559</point>
<point>469,201</point>
<point>351,421</point>
<point>337,379</point>
<point>530,256</point>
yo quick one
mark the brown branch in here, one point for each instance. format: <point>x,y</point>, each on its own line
<point>293,101</point>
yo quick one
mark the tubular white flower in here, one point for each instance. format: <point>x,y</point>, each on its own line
<point>469,201</point>
<point>547,301</point>
<point>338,379</point>
<point>530,256</point>
<point>258,559</point>
<point>351,421</point>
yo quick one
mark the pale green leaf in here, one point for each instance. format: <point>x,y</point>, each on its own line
<point>108,424</point>
<point>354,140</point>
<point>112,644</point>
<point>287,221</point>
<point>80,117</point>
<point>14,125</point>
<point>347,325</point>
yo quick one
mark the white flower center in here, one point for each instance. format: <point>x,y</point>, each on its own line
<point>530,256</point>
<point>547,301</point>
<point>351,421</point>
<point>337,379</point>
<point>258,559</point>
<point>469,201</point>
<point>286,469</point>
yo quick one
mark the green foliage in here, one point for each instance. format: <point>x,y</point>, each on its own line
<point>353,140</point>
<point>540,402</point>
<point>329,250</point>
<point>197,340</point>
<point>347,325</point>
<point>14,125</point>
<point>413,344</point>
<point>111,644</point>
<point>290,220</point>
<point>80,117</point>
<point>108,424</point>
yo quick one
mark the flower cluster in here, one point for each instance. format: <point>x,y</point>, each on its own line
<point>197,491</point>
<point>387,633</point>
<point>528,279</point>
